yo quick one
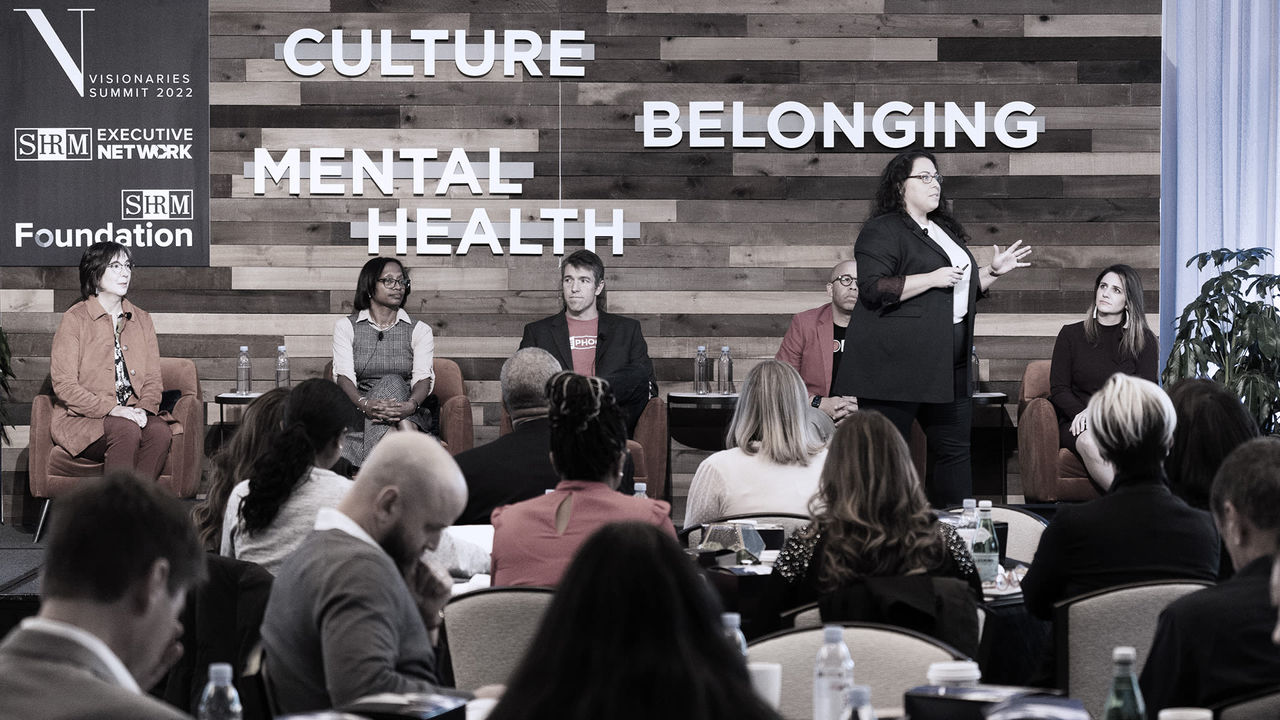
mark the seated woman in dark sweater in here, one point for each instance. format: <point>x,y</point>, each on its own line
<point>1113,338</point>
<point>1139,530</point>
<point>871,522</point>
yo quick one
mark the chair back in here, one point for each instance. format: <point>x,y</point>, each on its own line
<point>1025,529</point>
<point>1035,382</point>
<point>890,660</point>
<point>691,537</point>
<point>489,630</point>
<point>1263,704</point>
<point>1088,627</point>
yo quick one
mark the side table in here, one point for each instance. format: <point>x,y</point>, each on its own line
<point>231,398</point>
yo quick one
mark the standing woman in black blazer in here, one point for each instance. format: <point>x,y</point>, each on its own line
<point>910,335</point>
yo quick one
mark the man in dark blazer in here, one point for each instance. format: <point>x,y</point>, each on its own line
<point>121,557</point>
<point>516,466</point>
<point>588,340</point>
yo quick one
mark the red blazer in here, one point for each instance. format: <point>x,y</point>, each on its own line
<point>83,370</point>
<point>807,347</point>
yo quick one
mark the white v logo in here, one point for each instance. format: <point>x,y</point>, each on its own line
<point>74,74</point>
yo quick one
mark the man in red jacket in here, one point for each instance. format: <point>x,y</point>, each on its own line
<point>815,341</point>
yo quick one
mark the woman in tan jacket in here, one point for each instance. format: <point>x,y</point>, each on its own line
<point>105,368</point>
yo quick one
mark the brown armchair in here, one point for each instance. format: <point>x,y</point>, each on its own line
<point>54,472</point>
<point>648,447</point>
<point>1049,473</point>
<point>455,406</point>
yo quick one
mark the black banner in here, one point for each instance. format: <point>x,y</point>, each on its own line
<point>105,130</point>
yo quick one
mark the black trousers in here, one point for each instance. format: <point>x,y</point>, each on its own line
<point>947,425</point>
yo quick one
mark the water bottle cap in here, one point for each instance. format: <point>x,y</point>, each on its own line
<point>702,348</point>
<point>832,634</point>
<point>858,696</point>
<point>955,672</point>
<point>985,504</point>
<point>1124,653</point>
<point>731,620</point>
<point>724,348</point>
<point>969,503</point>
<point>244,348</point>
<point>641,487</point>
<point>279,348</point>
<point>220,673</point>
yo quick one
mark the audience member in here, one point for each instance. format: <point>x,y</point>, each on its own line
<point>268,515</point>
<point>1139,530</point>
<point>1211,423</point>
<point>121,558</point>
<point>584,338</point>
<point>1112,338</point>
<point>383,359</point>
<point>1275,596</point>
<point>342,621</point>
<point>871,520</point>
<point>814,342</point>
<point>1215,644</point>
<point>774,457</point>
<point>517,465</point>
<point>234,462</point>
<point>534,540</point>
<point>634,639</point>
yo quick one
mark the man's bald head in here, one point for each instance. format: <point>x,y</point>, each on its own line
<point>844,298</point>
<point>408,490</point>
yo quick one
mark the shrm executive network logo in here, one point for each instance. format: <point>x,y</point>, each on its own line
<point>74,72</point>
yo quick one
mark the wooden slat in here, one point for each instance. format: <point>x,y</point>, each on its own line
<point>478,141</point>
<point>1091,25</point>
<point>18,301</point>
<point>276,71</point>
<point>744,6</point>
<point>424,279</point>
<point>245,93</point>
<point>1085,164</point>
<point>853,24</point>
<point>827,49</point>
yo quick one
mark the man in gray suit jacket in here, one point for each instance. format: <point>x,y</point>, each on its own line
<point>121,557</point>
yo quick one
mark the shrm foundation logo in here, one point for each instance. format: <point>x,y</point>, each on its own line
<point>156,205</point>
<point>74,72</point>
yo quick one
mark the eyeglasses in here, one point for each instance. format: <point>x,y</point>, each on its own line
<point>117,266</point>
<point>393,283</point>
<point>925,177</point>
<point>846,280</point>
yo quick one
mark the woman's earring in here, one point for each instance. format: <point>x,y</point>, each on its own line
<point>1095,312</point>
<point>1126,316</point>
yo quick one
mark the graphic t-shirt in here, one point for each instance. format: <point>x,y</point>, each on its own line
<point>837,351</point>
<point>582,344</point>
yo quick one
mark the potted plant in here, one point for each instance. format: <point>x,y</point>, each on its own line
<point>1230,333</point>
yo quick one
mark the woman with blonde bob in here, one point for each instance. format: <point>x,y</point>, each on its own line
<point>870,518</point>
<point>773,457</point>
<point>1139,530</point>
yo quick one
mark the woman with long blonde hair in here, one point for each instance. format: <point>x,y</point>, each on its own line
<point>773,457</point>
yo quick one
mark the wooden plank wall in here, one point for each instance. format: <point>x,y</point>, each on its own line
<point>733,241</point>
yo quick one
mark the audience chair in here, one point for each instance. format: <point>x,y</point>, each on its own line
<point>488,631</point>
<point>1025,529</point>
<point>455,407</point>
<point>808,616</point>
<point>1049,473</point>
<point>1260,704</point>
<point>889,659</point>
<point>691,537</point>
<point>1087,627</point>
<point>648,447</point>
<point>54,472</point>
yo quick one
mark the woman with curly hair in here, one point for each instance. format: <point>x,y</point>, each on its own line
<point>234,462</point>
<point>534,540</point>
<point>871,520</point>
<point>269,514</point>
<point>918,285</point>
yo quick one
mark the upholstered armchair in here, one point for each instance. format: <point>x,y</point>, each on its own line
<point>1049,473</point>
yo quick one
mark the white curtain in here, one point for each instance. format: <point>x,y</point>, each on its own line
<point>1220,139</point>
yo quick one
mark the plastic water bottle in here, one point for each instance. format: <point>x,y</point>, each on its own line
<point>641,490</point>
<point>220,701</point>
<point>968,521</point>
<point>858,703</point>
<point>282,367</point>
<point>986,546</point>
<point>732,628</point>
<point>724,372</point>
<point>701,372</point>
<point>832,675</point>
<point>1124,702</point>
<point>244,372</point>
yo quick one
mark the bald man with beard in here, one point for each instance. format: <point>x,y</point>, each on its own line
<point>342,621</point>
<point>815,340</point>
